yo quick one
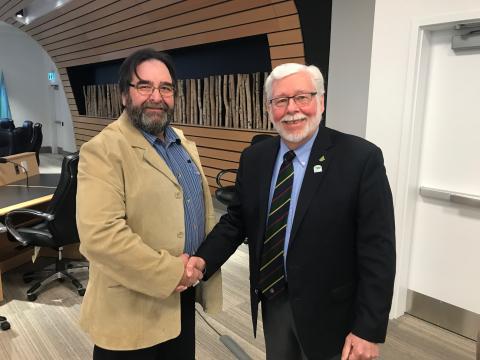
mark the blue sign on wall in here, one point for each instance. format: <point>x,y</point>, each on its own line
<point>52,77</point>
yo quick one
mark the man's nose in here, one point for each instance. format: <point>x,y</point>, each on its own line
<point>292,106</point>
<point>156,96</point>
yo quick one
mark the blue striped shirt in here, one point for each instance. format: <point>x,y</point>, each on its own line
<point>189,178</point>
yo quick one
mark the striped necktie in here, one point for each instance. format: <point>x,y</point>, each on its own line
<point>272,273</point>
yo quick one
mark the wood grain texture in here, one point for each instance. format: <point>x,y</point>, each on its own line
<point>87,31</point>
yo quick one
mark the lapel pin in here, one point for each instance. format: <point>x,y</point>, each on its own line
<point>317,169</point>
<point>322,158</point>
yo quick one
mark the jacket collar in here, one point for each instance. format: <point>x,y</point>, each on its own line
<point>315,172</point>
<point>136,139</point>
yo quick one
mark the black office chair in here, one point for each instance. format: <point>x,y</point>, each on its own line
<point>57,229</point>
<point>36,141</point>
<point>225,193</point>
<point>14,141</point>
<point>6,124</point>
<point>28,126</point>
<point>4,324</point>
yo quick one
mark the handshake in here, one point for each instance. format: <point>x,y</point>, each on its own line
<point>193,272</point>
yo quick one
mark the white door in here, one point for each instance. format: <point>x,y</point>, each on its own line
<point>445,258</point>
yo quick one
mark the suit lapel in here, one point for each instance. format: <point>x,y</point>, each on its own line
<point>155,160</point>
<point>150,155</point>
<point>265,163</point>
<point>315,172</point>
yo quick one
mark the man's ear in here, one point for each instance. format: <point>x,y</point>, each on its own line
<point>124,100</point>
<point>322,103</point>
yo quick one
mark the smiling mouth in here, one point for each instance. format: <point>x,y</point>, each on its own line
<point>292,122</point>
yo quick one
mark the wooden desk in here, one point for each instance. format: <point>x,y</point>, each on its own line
<point>10,172</point>
<point>17,196</point>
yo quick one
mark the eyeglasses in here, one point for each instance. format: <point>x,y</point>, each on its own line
<point>300,100</point>
<point>147,89</point>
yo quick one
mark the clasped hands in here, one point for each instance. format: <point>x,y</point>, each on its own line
<point>192,273</point>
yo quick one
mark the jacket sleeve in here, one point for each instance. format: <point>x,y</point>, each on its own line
<point>375,251</point>
<point>106,240</point>
<point>228,234</point>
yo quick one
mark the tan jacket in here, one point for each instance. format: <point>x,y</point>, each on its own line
<point>131,224</point>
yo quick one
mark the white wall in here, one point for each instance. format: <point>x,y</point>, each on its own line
<point>390,111</point>
<point>25,66</point>
<point>349,65</point>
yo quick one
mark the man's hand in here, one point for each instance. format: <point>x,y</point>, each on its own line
<point>356,348</point>
<point>197,263</point>
<point>191,275</point>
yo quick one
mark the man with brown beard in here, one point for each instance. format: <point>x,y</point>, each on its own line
<point>143,205</point>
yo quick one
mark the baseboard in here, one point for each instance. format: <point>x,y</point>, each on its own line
<point>447,316</point>
<point>62,152</point>
<point>48,150</point>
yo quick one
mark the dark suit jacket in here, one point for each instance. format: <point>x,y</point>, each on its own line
<point>341,256</point>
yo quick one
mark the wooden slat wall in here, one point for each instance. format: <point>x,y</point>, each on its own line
<point>90,31</point>
<point>218,148</point>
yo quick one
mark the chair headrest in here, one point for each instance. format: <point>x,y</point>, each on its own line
<point>27,124</point>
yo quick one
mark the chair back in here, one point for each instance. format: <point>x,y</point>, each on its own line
<point>20,140</point>
<point>28,126</point>
<point>6,124</point>
<point>5,142</point>
<point>36,142</point>
<point>226,194</point>
<point>63,204</point>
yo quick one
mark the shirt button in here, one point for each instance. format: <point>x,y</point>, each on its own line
<point>178,195</point>
<point>180,235</point>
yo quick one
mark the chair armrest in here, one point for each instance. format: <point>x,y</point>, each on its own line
<point>218,179</point>
<point>11,228</point>
<point>36,213</point>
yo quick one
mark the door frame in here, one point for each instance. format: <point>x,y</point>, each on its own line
<point>412,133</point>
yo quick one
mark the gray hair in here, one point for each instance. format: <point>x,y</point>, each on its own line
<point>284,70</point>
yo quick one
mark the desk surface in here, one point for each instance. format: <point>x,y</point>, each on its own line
<point>17,195</point>
<point>40,180</point>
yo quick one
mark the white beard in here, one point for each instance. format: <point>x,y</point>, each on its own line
<point>311,124</point>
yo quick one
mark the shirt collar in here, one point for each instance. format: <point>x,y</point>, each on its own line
<point>170,137</point>
<point>302,153</point>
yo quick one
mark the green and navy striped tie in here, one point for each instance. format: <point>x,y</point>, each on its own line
<point>272,272</point>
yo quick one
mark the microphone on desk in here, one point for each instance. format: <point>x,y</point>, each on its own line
<point>4,161</point>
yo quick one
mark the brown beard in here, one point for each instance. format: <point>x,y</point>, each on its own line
<point>155,124</point>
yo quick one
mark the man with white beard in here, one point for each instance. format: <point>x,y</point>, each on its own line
<point>316,207</point>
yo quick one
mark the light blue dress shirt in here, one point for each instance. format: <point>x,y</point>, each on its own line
<point>300,162</point>
<point>189,178</point>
